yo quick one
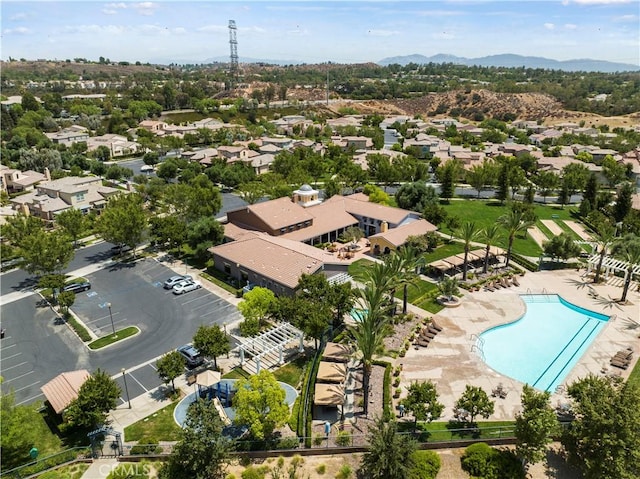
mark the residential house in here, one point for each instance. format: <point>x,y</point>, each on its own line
<point>118,145</point>
<point>53,197</point>
<point>15,181</point>
<point>70,135</point>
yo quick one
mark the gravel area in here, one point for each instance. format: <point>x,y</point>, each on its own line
<point>402,332</point>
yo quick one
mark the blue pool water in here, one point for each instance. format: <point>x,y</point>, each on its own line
<point>542,347</point>
<point>358,314</point>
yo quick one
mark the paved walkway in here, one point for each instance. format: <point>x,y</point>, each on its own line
<point>553,227</point>
<point>579,229</point>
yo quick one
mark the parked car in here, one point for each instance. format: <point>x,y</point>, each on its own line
<point>146,168</point>
<point>77,287</point>
<point>171,282</point>
<point>191,355</point>
<point>186,286</point>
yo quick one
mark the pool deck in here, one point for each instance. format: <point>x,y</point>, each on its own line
<point>451,364</point>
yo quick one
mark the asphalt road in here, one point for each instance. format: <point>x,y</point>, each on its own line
<point>35,349</point>
<point>19,280</point>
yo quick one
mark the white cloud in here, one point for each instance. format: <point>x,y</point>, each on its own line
<point>595,2</point>
<point>626,18</point>
<point>18,16</point>
<point>145,8</point>
<point>549,26</point>
<point>443,36</point>
<point>17,31</point>
<point>382,33</point>
<point>570,26</point>
<point>120,5</point>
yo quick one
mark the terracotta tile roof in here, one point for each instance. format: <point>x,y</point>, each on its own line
<point>355,206</point>
<point>280,212</point>
<point>63,389</point>
<point>282,260</point>
<point>326,218</point>
<point>398,236</point>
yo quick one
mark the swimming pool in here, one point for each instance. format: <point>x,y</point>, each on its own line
<point>542,347</point>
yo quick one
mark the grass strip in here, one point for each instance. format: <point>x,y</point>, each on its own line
<point>216,277</point>
<point>80,330</point>
<point>160,425</point>
<point>111,338</point>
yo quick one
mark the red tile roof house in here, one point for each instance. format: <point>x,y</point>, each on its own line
<point>272,242</point>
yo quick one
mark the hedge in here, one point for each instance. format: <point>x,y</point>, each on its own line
<point>387,406</point>
<point>426,464</point>
<point>524,262</point>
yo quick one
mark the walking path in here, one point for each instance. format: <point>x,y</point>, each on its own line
<point>579,229</point>
<point>537,235</point>
<point>553,227</point>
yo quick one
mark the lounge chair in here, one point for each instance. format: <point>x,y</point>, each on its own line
<point>424,342</point>
<point>624,355</point>
<point>619,364</point>
<point>435,326</point>
<point>489,287</point>
<point>514,281</point>
<point>505,282</point>
<point>497,284</point>
<point>503,394</point>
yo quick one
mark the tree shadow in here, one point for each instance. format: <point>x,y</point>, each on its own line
<point>463,429</point>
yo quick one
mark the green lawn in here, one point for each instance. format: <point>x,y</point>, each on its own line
<point>110,338</point>
<point>291,372</point>
<point>634,377</point>
<point>357,267</point>
<point>236,373</point>
<point>443,251</point>
<point>445,431</point>
<point>485,213</point>
<point>160,425</point>
<point>418,292</point>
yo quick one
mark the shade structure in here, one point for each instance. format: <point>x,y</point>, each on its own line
<point>336,352</point>
<point>329,372</point>
<point>63,389</point>
<point>208,378</point>
<point>328,395</point>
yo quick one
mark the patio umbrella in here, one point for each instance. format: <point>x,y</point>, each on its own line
<point>208,378</point>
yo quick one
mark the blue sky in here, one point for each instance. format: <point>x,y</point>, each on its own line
<point>320,31</point>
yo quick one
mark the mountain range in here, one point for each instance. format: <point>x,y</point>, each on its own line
<point>510,61</point>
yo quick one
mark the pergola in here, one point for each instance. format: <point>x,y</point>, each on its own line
<point>270,342</point>
<point>457,260</point>
<point>612,265</point>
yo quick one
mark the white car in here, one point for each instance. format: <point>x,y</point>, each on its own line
<point>171,282</point>
<point>146,168</point>
<point>186,286</point>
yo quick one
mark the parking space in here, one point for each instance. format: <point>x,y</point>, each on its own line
<point>35,349</point>
<point>138,381</point>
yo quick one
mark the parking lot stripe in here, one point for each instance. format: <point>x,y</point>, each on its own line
<point>16,366</point>
<point>32,384</point>
<point>18,377</point>
<point>134,378</point>
<point>7,347</point>
<point>29,399</point>
<point>192,300</point>
<point>204,305</point>
<point>100,319</point>
<point>153,367</point>
<point>9,357</point>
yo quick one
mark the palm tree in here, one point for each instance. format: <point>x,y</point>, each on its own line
<point>468,233</point>
<point>627,249</point>
<point>514,222</point>
<point>489,235</point>
<point>403,265</point>
<point>604,239</point>
<point>369,333</point>
<point>448,286</point>
<point>390,455</point>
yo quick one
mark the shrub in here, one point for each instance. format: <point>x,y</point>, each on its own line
<point>291,442</point>
<point>345,472</point>
<point>252,472</point>
<point>249,327</point>
<point>146,445</point>
<point>321,469</point>
<point>343,439</point>
<point>426,465</point>
<point>482,461</point>
<point>317,440</point>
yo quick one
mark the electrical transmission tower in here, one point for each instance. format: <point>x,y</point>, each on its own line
<point>233,44</point>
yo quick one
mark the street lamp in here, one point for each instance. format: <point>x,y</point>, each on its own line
<point>111,316</point>
<point>124,377</point>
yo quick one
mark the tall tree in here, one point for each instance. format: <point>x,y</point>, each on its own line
<point>468,233</point>
<point>591,191</point>
<point>72,221</point>
<point>422,402</point>
<point>202,452</point>
<point>169,367</point>
<point>369,334</point>
<point>603,238</point>
<point>255,306</point>
<point>490,235</point>
<point>448,175</point>
<point>260,405</point>
<point>627,249</point>
<point>623,202</point>
<point>536,425</point>
<point>604,438</point>
<point>547,181</point>
<point>513,222</point>
<point>389,454</point>
<point>96,397</point>
<point>123,220</point>
<point>476,402</point>
<point>46,253</point>
<point>211,342</point>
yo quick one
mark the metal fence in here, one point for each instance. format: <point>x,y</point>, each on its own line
<point>49,462</point>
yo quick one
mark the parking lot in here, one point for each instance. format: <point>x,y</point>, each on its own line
<point>35,349</point>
